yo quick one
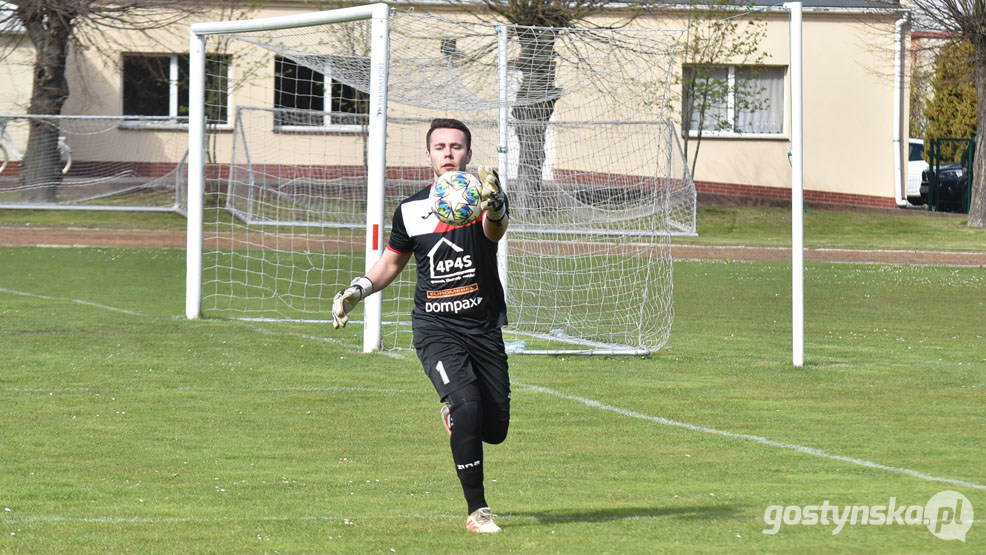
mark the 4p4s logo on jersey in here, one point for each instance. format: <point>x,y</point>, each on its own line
<point>447,262</point>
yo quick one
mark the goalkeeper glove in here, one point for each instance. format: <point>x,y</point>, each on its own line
<point>492,198</point>
<point>345,300</point>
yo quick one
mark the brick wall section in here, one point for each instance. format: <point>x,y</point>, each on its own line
<point>754,192</point>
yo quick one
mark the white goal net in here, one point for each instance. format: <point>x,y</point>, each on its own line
<point>86,162</point>
<point>575,120</point>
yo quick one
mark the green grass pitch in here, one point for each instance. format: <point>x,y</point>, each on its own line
<point>126,427</point>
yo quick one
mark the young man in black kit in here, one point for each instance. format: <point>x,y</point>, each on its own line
<point>459,308</point>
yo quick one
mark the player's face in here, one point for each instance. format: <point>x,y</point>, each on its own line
<point>447,151</point>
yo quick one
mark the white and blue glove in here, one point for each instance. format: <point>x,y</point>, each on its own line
<point>345,301</point>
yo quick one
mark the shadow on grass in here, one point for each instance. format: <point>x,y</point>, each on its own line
<point>697,512</point>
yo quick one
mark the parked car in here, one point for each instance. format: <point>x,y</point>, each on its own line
<point>915,167</point>
<point>953,187</point>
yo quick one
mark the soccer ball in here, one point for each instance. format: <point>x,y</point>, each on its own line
<point>455,198</point>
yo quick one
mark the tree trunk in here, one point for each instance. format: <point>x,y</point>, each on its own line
<point>536,100</point>
<point>41,168</point>
<point>977,209</point>
<point>50,31</point>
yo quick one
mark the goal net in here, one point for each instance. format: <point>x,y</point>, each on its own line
<point>575,120</point>
<point>92,163</point>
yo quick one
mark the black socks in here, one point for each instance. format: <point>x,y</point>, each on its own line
<point>467,451</point>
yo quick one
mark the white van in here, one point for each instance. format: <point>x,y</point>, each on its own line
<point>915,166</point>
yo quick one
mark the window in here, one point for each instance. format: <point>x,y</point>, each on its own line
<point>733,100</point>
<point>916,149</point>
<point>157,85</point>
<point>309,99</point>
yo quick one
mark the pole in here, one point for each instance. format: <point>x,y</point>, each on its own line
<point>797,189</point>
<point>376,170</point>
<point>196,176</point>
<point>503,139</point>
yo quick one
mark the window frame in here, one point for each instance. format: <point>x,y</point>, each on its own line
<point>783,134</point>
<point>174,120</point>
<point>326,126</point>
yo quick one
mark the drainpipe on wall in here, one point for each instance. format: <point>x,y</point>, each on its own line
<point>900,193</point>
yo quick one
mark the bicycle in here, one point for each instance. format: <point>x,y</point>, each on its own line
<point>10,153</point>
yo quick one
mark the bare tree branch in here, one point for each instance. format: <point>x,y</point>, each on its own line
<point>54,28</point>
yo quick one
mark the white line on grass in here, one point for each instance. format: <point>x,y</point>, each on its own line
<point>252,327</point>
<point>76,301</point>
<point>758,439</point>
<point>314,338</point>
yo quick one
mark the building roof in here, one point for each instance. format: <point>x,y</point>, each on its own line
<point>807,5</point>
<point>812,4</point>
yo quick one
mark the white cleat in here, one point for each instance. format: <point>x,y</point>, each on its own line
<point>481,522</point>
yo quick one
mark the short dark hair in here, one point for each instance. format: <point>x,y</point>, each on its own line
<point>448,123</point>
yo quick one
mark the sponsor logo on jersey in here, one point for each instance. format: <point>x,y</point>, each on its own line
<point>453,292</point>
<point>448,262</point>
<point>454,307</point>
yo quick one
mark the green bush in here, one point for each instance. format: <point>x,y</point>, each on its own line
<point>951,111</point>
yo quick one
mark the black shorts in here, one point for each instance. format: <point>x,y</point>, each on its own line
<point>453,360</point>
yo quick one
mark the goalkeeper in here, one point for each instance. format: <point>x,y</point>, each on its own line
<point>459,309</point>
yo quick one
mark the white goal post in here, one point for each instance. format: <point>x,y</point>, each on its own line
<point>379,14</point>
<point>326,135</point>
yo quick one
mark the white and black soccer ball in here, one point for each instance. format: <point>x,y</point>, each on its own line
<point>455,198</point>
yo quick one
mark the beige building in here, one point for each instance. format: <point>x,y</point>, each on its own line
<point>855,108</point>
<point>855,116</point>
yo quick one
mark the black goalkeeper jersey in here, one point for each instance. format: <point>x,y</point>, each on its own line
<point>458,286</point>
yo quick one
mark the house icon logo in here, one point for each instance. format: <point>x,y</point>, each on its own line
<point>446,262</point>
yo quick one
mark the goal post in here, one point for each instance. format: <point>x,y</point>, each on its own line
<point>376,158</point>
<point>324,136</point>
